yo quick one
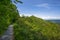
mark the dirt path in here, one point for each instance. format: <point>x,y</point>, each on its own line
<point>8,35</point>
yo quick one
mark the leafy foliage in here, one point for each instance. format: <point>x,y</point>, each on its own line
<point>26,28</point>
<point>33,28</point>
<point>18,1</point>
<point>8,14</point>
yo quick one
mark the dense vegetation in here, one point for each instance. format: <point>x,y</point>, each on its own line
<point>33,28</point>
<point>26,28</point>
<point>8,14</point>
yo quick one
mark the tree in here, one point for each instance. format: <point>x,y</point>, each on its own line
<point>17,1</point>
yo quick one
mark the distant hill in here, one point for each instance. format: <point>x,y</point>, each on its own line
<point>55,21</point>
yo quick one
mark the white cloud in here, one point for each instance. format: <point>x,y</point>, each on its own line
<point>45,5</point>
<point>48,17</point>
<point>42,16</point>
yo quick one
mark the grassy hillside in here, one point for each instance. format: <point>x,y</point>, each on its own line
<point>33,28</point>
<point>26,28</point>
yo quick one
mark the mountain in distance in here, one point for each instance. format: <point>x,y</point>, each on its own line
<point>54,20</point>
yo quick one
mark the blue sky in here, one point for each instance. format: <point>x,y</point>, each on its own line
<point>46,9</point>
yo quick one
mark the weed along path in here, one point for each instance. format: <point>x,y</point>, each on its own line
<point>8,35</point>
